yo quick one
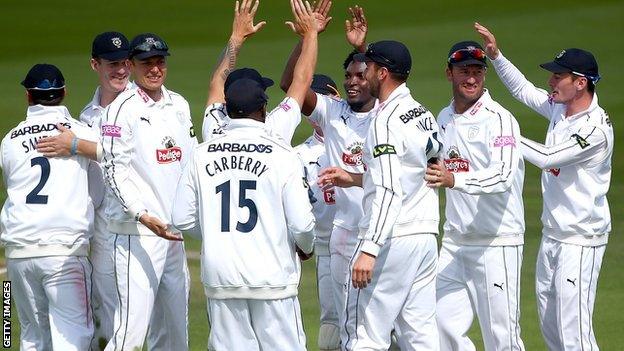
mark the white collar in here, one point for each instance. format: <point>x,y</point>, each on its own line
<point>36,111</point>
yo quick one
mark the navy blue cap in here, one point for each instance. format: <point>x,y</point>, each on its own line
<point>112,46</point>
<point>147,45</point>
<point>245,96</point>
<point>388,53</point>
<point>576,61</point>
<point>467,53</point>
<point>321,84</point>
<point>248,73</point>
<point>43,76</point>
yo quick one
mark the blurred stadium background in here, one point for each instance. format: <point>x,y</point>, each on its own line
<point>529,33</point>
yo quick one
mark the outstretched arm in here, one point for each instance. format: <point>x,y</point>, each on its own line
<point>67,144</point>
<point>321,12</point>
<point>242,28</point>
<point>517,84</point>
<point>306,23</point>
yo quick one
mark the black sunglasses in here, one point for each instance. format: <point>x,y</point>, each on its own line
<point>150,45</point>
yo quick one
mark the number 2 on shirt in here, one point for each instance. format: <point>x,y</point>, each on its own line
<point>33,197</point>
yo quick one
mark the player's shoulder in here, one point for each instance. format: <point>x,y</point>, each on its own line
<point>176,98</point>
<point>598,117</point>
<point>445,115</point>
<point>404,111</point>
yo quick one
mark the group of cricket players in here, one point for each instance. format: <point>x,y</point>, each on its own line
<point>95,210</point>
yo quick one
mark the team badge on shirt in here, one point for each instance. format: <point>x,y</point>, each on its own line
<point>455,163</point>
<point>353,155</point>
<point>581,141</point>
<point>171,152</point>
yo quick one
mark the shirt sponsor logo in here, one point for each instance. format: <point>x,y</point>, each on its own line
<point>111,130</point>
<point>476,108</point>
<point>504,140</point>
<point>581,141</point>
<point>455,163</point>
<point>36,129</point>
<point>383,149</point>
<point>554,171</point>
<point>169,155</point>
<point>236,147</point>
<point>413,113</point>
<point>285,106</point>
<point>353,155</point>
<point>329,196</point>
<point>143,95</point>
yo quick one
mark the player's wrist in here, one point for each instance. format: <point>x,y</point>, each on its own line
<point>139,215</point>
<point>73,150</point>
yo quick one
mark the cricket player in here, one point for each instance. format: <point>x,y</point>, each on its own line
<point>148,137</point>
<point>482,171</point>
<point>283,119</point>
<point>109,59</point>
<point>394,264</point>
<point>45,222</point>
<point>250,267</point>
<point>576,164</point>
<point>345,124</point>
<point>314,157</point>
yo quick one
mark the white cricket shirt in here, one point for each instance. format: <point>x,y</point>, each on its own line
<point>312,153</point>
<point>576,162</point>
<point>397,201</point>
<point>46,212</point>
<point>247,193</point>
<point>146,145</point>
<point>282,120</point>
<point>344,133</point>
<point>481,148</point>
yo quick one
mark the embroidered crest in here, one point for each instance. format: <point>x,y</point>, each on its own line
<point>117,42</point>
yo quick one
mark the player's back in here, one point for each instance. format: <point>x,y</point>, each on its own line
<point>252,193</point>
<point>47,198</point>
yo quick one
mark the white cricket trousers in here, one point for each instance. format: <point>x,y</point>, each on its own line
<point>104,290</point>
<point>342,244</point>
<point>52,295</point>
<point>254,325</point>
<point>329,332</point>
<point>485,279</point>
<point>152,283</point>
<point>401,295</point>
<point>566,277</point>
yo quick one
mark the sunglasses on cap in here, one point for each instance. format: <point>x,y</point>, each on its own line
<point>593,79</point>
<point>464,54</point>
<point>148,46</point>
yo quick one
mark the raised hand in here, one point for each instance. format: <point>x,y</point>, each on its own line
<point>357,28</point>
<point>305,20</point>
<point>489,41</point>
<point>321,9</point>
<point>244,13</point>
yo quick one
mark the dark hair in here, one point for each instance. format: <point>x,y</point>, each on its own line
<point>349,59</point>
<point>52,97</point>
<point>399,77</point>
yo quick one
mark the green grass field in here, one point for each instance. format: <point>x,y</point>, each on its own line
<point>528,32</point>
